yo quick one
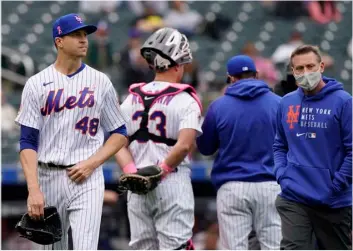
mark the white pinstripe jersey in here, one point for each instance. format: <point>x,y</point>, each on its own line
<point>166,117</point>
<point>70,113</point>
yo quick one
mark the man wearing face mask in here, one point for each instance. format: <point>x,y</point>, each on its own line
<point>313,158</point>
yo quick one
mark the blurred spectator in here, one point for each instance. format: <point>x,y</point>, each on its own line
<point>215,28</point>
<point>283,51</point>
<point>191,74</point>
<point>95,7</point>
<point>138,7</point>
<point>150,20</point>
<point>288,9</point>
<point>208,239</point>
<point>110,197</point>
<point>287,85</point>
<point>182,18</point>
<point>113,233</point>
<point>134,67</point>
<point>100,55</point>
<point>323,12</point>
<point>265,68</point>
<point>349,48</point>
<point>327,59</point>
<point>223,91</point>
<point>282,54</point>
<point>8,115</point>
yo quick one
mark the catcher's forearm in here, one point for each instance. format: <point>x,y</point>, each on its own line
<point>179,152</point>
<point>114,143</point>
<point>181,149</point>
<point>177,155</point>
<point>123,157</point>
<point>28,159</point>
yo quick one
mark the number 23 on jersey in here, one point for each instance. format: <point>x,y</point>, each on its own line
<point>160,127</point>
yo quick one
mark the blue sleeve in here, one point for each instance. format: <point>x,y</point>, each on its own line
<point>280,147</point>
<point>29,138</point>
<point>121,130</point>
<point>343,177</point>
<point>208,142</point>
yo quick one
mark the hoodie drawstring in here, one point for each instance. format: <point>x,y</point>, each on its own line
<point>300,111</point>
<point>307,119</point>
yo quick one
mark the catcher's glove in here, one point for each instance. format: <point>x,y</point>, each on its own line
<point>120,189</point>
<point>44,232</point>
<point>143,181</point>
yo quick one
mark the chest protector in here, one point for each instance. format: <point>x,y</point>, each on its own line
<point>148,100</point>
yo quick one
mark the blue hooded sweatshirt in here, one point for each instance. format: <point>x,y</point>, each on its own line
<point>313,146</point>
<point>242,126</point>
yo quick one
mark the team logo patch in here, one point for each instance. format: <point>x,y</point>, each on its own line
<point>79,19</point>
<point>292,116</point>
<point>59,30</point>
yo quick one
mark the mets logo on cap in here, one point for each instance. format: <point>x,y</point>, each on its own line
<point>59,30</point>
<point>79,19</point>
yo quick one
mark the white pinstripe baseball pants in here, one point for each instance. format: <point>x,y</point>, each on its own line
<point>243,206</point>
<point>79,206</point>
<point>163,218</point>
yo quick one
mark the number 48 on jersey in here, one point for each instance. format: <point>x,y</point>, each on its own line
<point>88,125</point>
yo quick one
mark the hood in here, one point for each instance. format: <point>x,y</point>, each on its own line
<point>332,85</point>
<point>247,88</point>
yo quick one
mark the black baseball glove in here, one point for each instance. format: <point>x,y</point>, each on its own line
<point>143,181</point>
<point>44,232</point>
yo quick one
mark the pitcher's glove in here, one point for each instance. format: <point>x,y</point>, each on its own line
<point>143,181</point>
<point>44,232</point>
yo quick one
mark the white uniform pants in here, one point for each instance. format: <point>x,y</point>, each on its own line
<point>243,206</point>
<point>163,218</point>
<point>79,206</point>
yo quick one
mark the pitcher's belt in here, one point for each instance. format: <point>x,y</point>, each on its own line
<point>52,165</point>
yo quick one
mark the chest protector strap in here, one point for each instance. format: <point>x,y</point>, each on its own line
<point>148,99</point>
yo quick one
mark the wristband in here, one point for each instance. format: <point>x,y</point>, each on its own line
<point>167,169</point>
<point>130,168</point>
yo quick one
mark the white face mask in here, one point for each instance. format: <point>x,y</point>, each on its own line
<point>309,80</point>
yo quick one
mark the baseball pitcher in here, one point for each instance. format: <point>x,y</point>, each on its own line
<point>64,109</point>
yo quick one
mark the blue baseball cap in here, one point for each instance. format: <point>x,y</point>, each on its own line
<point>70,23</point>
<point>239,64</point>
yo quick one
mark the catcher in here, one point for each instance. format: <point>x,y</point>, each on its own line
<point>165,122</point>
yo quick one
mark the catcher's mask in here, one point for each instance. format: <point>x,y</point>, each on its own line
<point>44,232</point>
<point>165,48</point>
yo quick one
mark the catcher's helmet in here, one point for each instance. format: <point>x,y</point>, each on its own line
<point>44,232</point>
<point>166,48</point>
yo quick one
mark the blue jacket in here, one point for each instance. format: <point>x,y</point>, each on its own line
<point>241,125</point>
<point>313,146</point>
